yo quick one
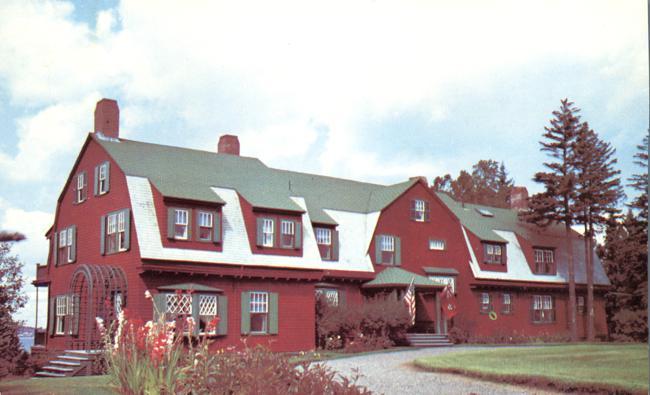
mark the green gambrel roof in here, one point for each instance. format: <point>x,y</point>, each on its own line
<point>504,219</point>
<point>190,174</point>
<point>397,277</point>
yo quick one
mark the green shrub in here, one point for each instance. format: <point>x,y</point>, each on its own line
<point>379,322</point>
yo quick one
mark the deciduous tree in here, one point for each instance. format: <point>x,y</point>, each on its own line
<point>11,299</point>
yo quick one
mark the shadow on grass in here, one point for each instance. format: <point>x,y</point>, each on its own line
<point>96,385</point>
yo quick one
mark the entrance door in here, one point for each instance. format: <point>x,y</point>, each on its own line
<point>441,320</point>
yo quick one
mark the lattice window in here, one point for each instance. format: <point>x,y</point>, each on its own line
<point>179,304</point>
<point>208,305</point>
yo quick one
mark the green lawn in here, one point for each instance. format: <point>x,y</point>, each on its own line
<point>600,366</point>
<point>96,385</point>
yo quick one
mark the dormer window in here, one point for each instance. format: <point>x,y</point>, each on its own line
<point>181,224</point>
<point>494,253</point>
<point>288,232</point>
<point>544,261</point>
<point>81,190</point>
<point>324,241</point>
<point>419,210</point>
<point>268,232</point>
<point>206,221</point>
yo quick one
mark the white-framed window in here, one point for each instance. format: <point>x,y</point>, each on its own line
<point>543,309</point>
<point>62,238</point>
<point>111,233</point>
<point>581,304</point>
<point>324,241</point>
<point>330,295</point>
<point>419,210</point>
<point>81,187</point>
<point>259,312</point>
<point>206,223</point>
<point>486,303</point>
<point>121,230</point>
<point>387,249</point>
<point>288,233</point>
<point>208,310</point>
<point>544,261</point>
<point>181,222</point>
<point>69,257</point>
<point>61,308</point>
<point>506,303</point>
<point>493,253</point>
<point>102,182</point>
<point>268,230</point>
<point>436,244</point>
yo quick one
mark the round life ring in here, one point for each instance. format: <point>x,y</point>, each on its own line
<point>493,315</point>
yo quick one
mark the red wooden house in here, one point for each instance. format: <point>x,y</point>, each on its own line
<point>256,244</point>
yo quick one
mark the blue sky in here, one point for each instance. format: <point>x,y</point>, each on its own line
<point>371,90</point>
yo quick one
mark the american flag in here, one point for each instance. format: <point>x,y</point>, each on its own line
<point>409,299</point>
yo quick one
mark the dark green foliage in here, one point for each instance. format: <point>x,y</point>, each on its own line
<point>11,236</point>
<point>12,357</point>
<point>488,184</point>
<point>557,203</point>
<point>379,322</point>
<point>640,181</point>
<point>598,191</point>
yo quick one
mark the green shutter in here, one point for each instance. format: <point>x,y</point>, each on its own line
<point>171,222</point>
<point>51,314</point>
<point>298,236</point>
<point>216,236</point>
<point>413,213</point>
<point>73,246</point>
<point>55,246</point>
<point>260,227</point>
<point>273,313</point>
<point>378,249</point>
<point>222,306</point>
<point>108,176</point>
<point>75,182</point>
<point>335,245</point>
<point>75,315</point>
<point>398,251</point>
<point>127,228</point>
<point>245,313</point>
<point>196,298</point>
<point>102,235</point>
<point>96,182</point>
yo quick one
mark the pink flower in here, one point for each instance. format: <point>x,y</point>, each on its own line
<point>147,294</point>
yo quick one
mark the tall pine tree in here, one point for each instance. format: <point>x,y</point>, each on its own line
<point>598,191</point>
<point>556,205</point>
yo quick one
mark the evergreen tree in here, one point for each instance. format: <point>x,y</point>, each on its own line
<point>625,260</point>
<point>557,203</point>
<point>598,190</point>
<point>640,181</point>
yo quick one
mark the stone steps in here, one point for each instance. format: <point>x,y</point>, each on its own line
<point>70,363</point>
<point>428,340</point>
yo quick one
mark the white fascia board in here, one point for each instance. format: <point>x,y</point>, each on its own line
<point>236,246</point>
<point>518,268</point>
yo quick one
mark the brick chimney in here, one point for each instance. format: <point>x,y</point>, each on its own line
<point>107,118</point>
<point>228,144</point>
<point>518,198</point>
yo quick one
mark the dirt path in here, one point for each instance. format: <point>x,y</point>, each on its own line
<point>392,373</point>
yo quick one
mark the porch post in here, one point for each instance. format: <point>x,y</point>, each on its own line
<point>438,315</point>
<point>36,318</point>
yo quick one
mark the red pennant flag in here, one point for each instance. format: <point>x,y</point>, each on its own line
<point>449,302</point>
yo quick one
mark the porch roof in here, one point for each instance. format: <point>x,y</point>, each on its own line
<point>397,277</point>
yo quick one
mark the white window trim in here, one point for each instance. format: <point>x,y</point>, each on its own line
<point>388,243</point>
<point>324,236</point>
<point>80,187</point>
<point>205,220</point>
<point>69,245</point>
<point>437,244</point>
<point>208,301</point>
<point>103,175</point>
<point>181,218</point>
<point>420,210</point>
<point>259,304</point>
<point>331,295</point>
<point>61,311</point>
<point>268,230</point>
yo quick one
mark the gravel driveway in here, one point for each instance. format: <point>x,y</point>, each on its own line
<point>392,373</point>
